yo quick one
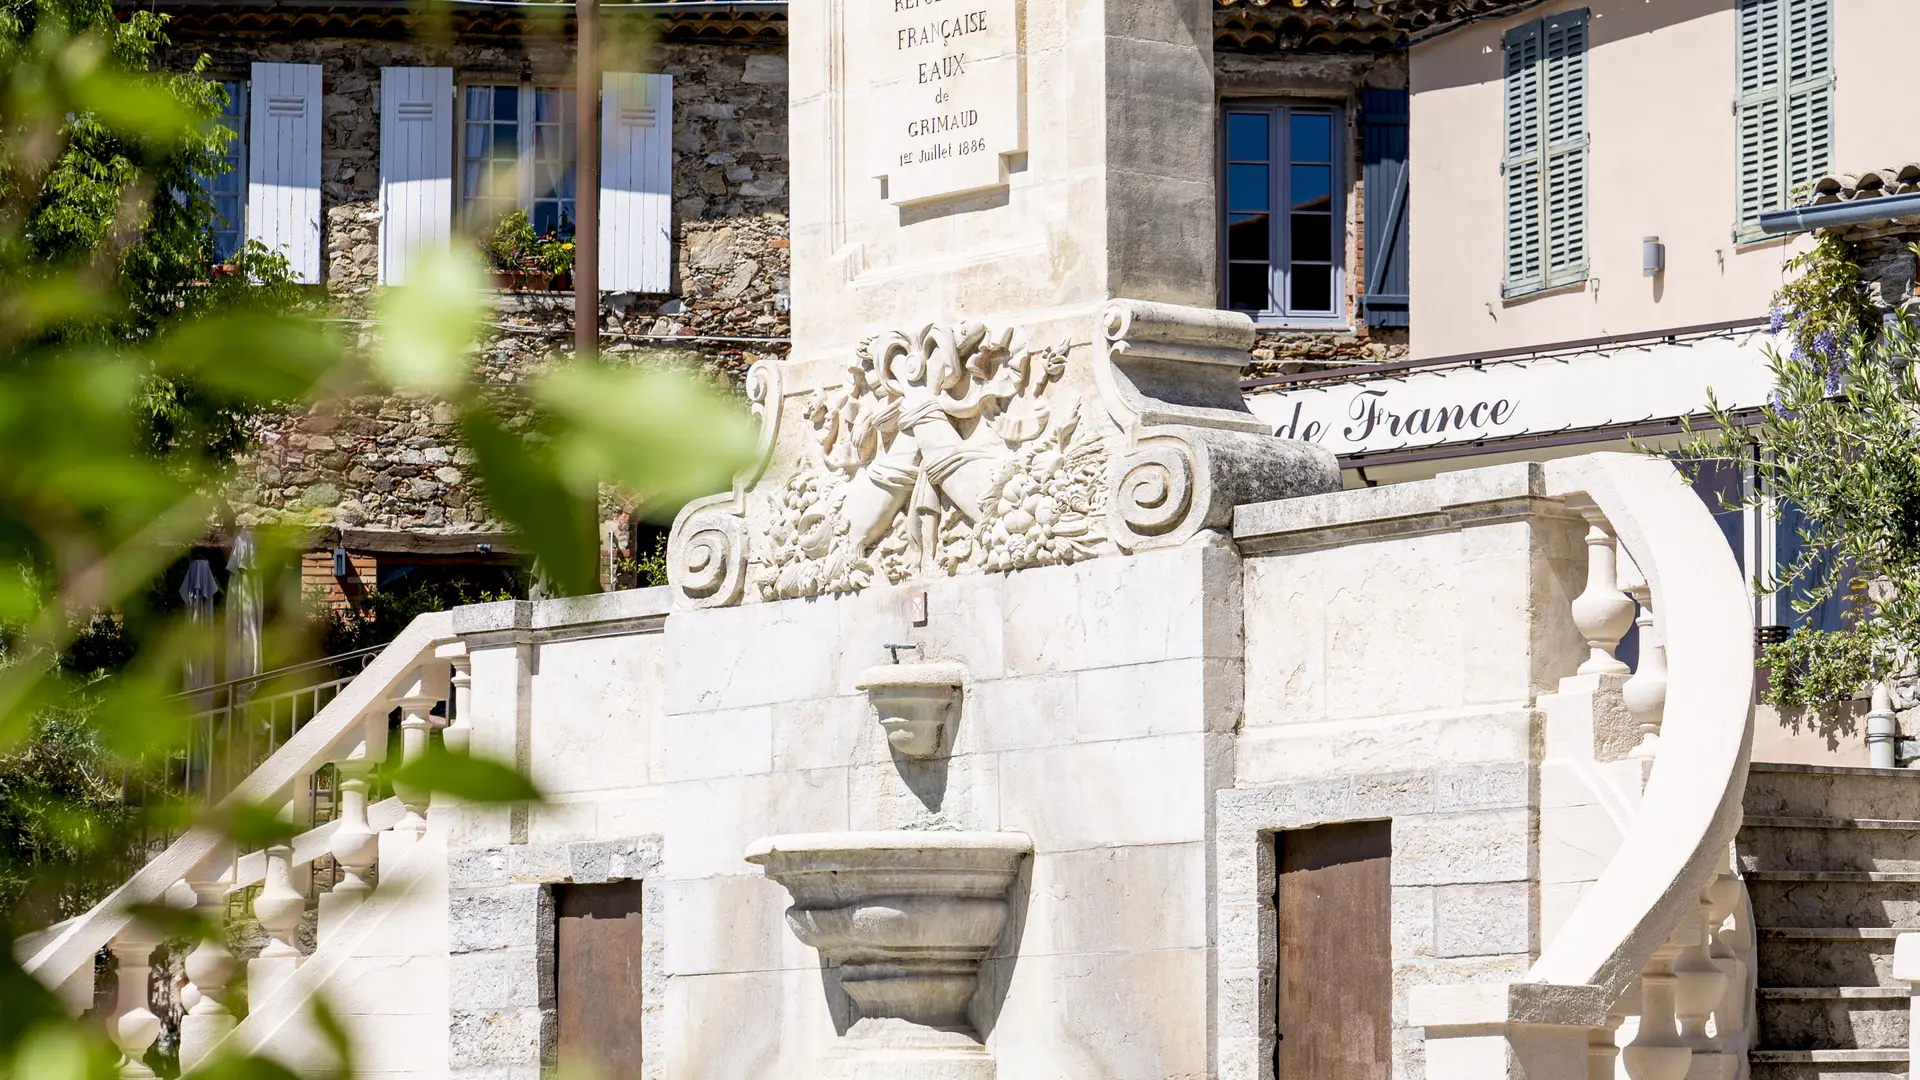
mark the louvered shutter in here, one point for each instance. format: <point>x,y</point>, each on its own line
<point>636,183</point>
<point>1523,162</point>
<point>1784,108</point>
<point>1564,94</point>
<point>1383,157</point>
<point>283,168</point>
<point>416,165</point>
<point>1809,91</point>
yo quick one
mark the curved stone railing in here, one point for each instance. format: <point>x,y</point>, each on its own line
<point>1651,915</point>
<point>200,869</point>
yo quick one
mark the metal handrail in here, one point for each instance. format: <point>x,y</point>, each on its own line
<point>260,678</point>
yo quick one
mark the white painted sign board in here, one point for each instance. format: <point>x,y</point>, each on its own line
<point>1502,399</point>
<point>946,80</point>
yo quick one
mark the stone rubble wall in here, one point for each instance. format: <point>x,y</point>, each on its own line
<point>395,464</point>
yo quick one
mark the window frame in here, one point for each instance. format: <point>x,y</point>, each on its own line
<point>240,93</point>
<point>526,164</point>
<point>1279,112</point>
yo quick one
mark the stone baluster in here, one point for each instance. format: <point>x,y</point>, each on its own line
<point>1602,612</point>
<point>458,736</point>
<point>279,909</point>
<point>354,845</point>
<point>1656,1052</point>
<point>1906,969</point>
<point>1729,942</point>
<point>1645,693</point>
<point>1603,1048</point>
<point>1699,984</point>
<point>134,1025</point>
<point>210,966</point>
<point>1883,732</point>
<point>416,730</point>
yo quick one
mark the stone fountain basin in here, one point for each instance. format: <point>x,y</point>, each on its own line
<point>913,702</point>
<point>930,677</point>
<point>907,916</point>
<point>898,927</point>
<point>835,870</point>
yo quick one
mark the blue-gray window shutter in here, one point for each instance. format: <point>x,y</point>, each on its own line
<point>1783,106</point>
<point>1564,96</point>
<point>1383,156</point>
<point>1522,164</point>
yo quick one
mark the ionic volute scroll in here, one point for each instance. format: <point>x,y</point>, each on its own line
<point>707,549</point>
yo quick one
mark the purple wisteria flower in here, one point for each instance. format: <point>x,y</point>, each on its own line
<point>1777,321</point>
<point>1825,344</point>
<point>1777,403</point>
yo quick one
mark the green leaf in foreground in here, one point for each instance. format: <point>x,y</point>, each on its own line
<point>470,778</point>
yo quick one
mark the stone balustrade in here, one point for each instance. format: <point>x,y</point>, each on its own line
<point>201,868</point>
<point>1683,1011</point>
<point>1646,975</point>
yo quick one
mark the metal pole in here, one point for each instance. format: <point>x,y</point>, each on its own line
<point>586,192</point>
<point>586,214</point>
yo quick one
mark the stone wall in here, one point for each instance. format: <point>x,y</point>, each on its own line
<point>385,464</point>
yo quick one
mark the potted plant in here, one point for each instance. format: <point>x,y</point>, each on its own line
<point>524,259</point>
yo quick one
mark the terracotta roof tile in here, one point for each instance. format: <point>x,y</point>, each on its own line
<point>1873,183</point>
<point>1272,25</point>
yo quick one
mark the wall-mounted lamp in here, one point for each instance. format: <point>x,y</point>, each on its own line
<point>1653,256</point>
<point>341,567</point>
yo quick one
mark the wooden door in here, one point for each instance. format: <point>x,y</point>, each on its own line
<point>1335,967</point>
<point>597,978</point>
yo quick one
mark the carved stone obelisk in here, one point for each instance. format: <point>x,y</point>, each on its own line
<point>1006,347</point>
<point>1012,407</point>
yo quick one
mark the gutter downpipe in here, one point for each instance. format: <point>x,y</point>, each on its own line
<point>1799,219</point>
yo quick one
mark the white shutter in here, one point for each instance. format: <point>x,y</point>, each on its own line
<point>416,165</point>
<point>636,183</point>
<point>283,166</point>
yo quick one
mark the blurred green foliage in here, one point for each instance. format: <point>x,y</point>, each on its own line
<point>130,375</point>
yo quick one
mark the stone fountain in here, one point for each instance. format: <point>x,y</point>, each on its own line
<point>905,918</point>
<point>913,701</point>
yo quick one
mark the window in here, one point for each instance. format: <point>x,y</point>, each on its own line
<point>229,189</point>
<point>1285,233</point>
<point>1785,103</point>
<point>517,153</point>
<point>1546,154</point>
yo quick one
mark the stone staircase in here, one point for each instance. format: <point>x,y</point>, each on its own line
<point>1832,863</point>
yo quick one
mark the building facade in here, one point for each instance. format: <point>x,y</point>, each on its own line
<point>1566,298</point>
<point>366,131</point>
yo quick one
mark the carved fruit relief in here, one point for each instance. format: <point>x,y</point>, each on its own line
<point>949,451</point>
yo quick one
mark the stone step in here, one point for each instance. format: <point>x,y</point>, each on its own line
<point>1828,1064</point>
<point>1830,791</point>
<point>1827,993</point>
<point>1854,898</point>
<point>1875,1020</point>
<point>1812,843</point>
<point>1800,956</point>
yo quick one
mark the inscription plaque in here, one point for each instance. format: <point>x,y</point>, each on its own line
<point>947,87</point>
